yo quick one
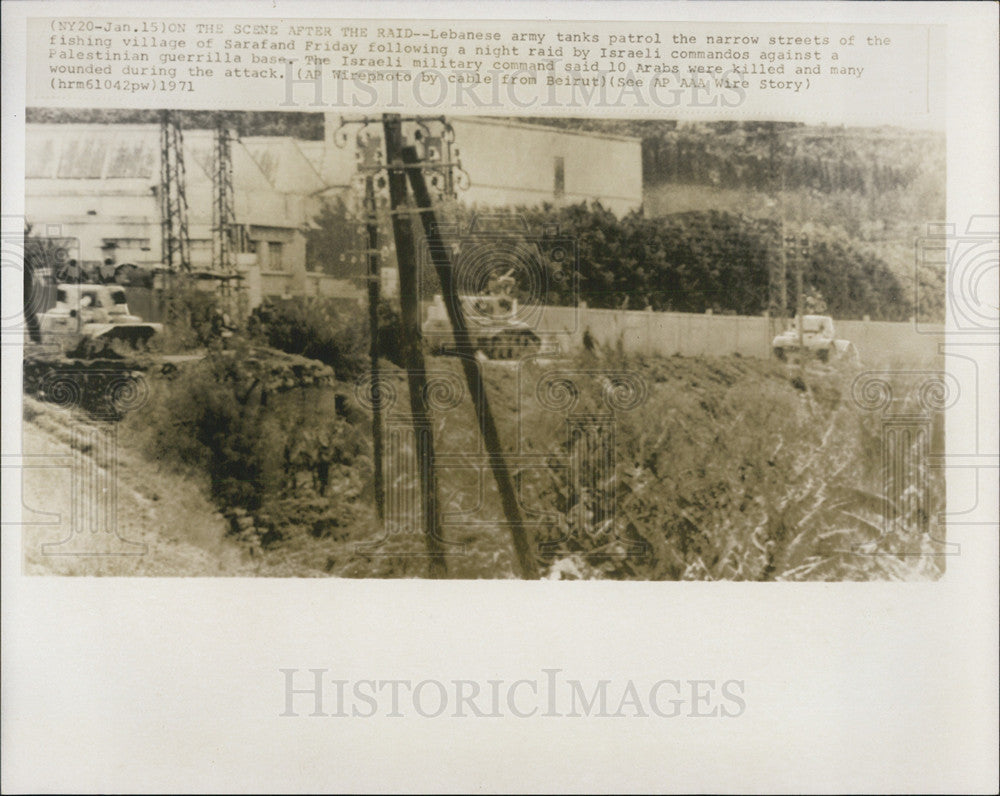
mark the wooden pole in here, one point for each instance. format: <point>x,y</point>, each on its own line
<point>411,344</point>
<point>374,276</point>
<point>798,298</point>
<point>783,282</point>
<point>527,563</point>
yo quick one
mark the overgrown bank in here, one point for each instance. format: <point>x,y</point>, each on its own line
<point>723,469</point>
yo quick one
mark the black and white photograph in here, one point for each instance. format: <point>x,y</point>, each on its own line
<point>542,348</point>
<point>555,397</point>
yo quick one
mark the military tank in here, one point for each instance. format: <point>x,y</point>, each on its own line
<point>493,323</point>
<point>77,363</point>
<point>87,317</point>
<point>493,320</point>
<point>815,339</point>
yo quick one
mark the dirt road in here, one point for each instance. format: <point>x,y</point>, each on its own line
<point>93,508</point>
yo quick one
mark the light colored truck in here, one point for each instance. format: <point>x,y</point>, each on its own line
<point>817,339</point>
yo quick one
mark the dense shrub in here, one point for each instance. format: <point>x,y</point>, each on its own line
<point>192,316</point>
<point>335,241</point>
<point>697,261</point>
<point>334,332</point>
<point>254,441</point>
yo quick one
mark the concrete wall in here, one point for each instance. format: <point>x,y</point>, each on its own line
<point>881,341</point>
<point>690,334</point>
<point>308,283</point>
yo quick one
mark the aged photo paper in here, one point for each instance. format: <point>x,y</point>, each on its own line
<point>554,396</point>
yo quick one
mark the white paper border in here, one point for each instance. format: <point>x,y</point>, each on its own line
<point>172,685</point>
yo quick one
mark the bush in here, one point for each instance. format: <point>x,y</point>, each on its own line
<point>251,441</point>
<point>389,327</point>
<point>333,332</point>
<point>191,315</point>
<point>701,260</point>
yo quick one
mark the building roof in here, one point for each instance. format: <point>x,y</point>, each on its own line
<point>99,155</point>
<point>284,164</point>
<point>91,152</point>
<point>131,151</point>
<point>527,124</point>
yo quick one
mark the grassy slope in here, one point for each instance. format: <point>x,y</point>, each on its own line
<point>166,511</point>
<point>728,470</point>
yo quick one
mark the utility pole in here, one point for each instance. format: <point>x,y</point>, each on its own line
<point>413,356</point>
<point>784,259</point>
<point>473,376</point>
<point>799,309</point>
<point>783,281</point>
<point>802,252</point>
<point>797,250</point>
<point>777,272</point>
<point>790,251</point>
<point>223,212</point>
<point>175,239</point>
<point>374,277</point>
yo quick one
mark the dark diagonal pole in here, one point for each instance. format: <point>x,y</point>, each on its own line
<point>374,274</point>
<point>527,563</point>
<point>413,356</point>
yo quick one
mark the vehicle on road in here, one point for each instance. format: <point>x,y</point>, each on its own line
<point>93,315</point>
<point>817,339</point>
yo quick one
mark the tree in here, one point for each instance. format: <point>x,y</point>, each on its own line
<point>334,244</point>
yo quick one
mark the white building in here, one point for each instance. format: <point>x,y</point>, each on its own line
<point>95,187</point>
<point>512,163</point>
<point>98,184</point>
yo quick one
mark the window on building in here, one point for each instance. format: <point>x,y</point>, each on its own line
<point>560,182</point>
<point>275,261</point>
<point>126,243</point>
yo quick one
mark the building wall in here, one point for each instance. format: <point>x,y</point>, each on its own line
<point>281,258</point>
<point>89,212</point>
<point>509,163</point>
<point>513,163</point>
<point>92,183</point>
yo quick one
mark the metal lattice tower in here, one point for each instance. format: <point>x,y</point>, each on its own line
<point>176,240</point>
<point>225,242</point>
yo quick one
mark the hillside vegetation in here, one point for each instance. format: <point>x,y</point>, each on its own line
<point>716,468</point>
<point>877,188</point>
<point>690,262</point>
<point>722,468</point>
